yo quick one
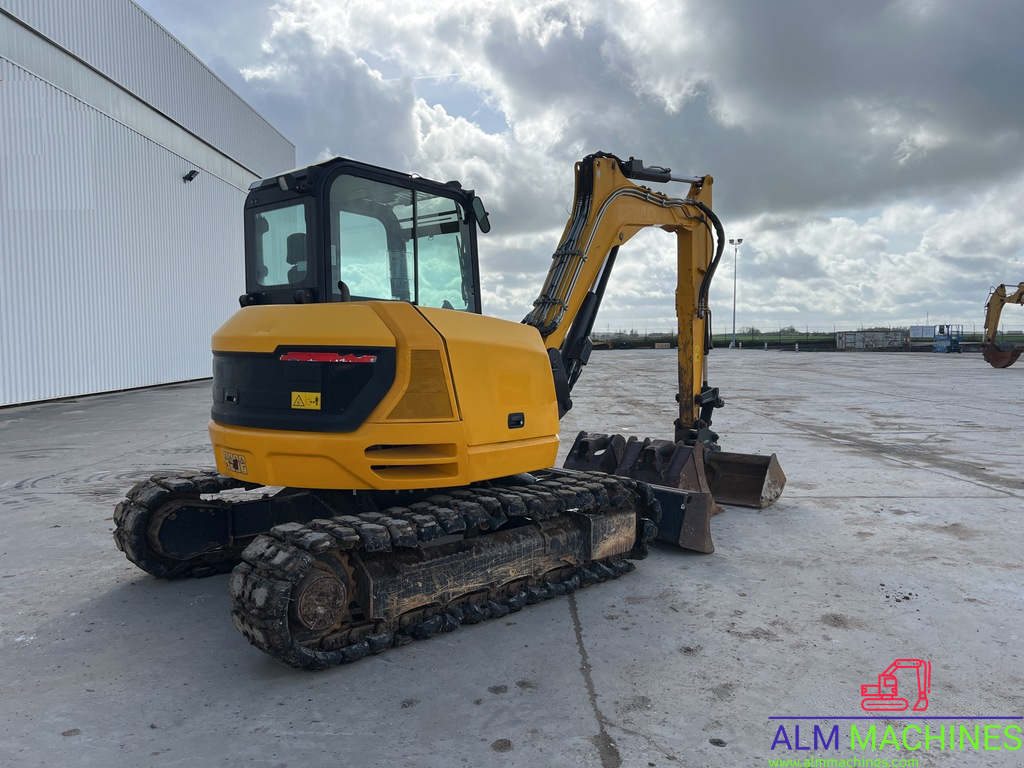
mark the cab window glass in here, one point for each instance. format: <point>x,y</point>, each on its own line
<point>393,243</point>
<point>441,246</point>
<point>369,250</point>
<point>281,246</point>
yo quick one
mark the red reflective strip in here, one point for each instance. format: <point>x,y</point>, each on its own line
<point>326,357</point>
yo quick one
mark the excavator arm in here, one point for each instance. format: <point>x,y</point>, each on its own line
<point>609,208</point>
<point>994,354</point>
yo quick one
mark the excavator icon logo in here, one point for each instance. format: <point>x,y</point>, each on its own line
<point>883,696</point>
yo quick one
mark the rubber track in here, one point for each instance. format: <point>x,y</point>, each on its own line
<point>133,515</point>
<point>261,586</point>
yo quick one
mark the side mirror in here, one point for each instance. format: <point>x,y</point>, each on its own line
<point>480,213</point>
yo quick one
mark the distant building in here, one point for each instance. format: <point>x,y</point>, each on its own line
<point>124,163</point>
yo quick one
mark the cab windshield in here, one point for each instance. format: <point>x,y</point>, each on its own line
<point>388,242</point>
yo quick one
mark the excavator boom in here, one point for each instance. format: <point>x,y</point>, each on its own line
<point>610,208</point>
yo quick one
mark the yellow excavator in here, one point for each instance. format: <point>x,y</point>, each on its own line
<point>995,355</point>
<point>385,452</point>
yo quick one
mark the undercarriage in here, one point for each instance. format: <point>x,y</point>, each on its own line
<point>335,576</point>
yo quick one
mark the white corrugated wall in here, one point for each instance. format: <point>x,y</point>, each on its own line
<point>127,45</point>
<point>113,271</point>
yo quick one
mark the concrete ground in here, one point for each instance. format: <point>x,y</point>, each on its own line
<point>899,535</point>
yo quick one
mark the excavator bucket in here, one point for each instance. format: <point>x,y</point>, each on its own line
<point>705,477</point>
<point>744,479</point>
<point>998,357</point>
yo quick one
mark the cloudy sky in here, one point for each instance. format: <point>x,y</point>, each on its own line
<point>870,154</point>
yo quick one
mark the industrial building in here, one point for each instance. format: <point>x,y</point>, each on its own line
<point>124,163</point>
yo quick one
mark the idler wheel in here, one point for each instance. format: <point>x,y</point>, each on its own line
<point>321,601</point>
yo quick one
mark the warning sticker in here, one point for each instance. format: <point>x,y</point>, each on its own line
<point>306,401</point>
<point>235,463</point>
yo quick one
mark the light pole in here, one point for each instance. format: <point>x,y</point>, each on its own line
<point>735,243</point>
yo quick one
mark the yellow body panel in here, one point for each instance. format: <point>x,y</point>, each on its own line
<point>490,370</point>
<point>500,368</point>
<point>264,328</point>
<point>409,333</point>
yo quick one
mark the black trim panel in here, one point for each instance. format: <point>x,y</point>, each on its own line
<point>256,389</point>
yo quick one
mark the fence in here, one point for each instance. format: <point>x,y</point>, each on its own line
<point>876,338</point>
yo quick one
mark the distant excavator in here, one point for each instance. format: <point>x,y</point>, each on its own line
<point>884,697</point>
<point>995,355</point>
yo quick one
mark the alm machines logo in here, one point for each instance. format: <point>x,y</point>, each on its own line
<point>884,697</point>
<point>884,732</point>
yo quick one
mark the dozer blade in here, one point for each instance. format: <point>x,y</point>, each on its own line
<point>669,468</point>
<point>706,477</point>
<point>744,479</point>
<point>998,357</point>
<point>686,518</point>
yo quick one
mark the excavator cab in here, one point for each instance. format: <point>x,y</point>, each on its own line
<point>360,359</point>
<point>346,231</point>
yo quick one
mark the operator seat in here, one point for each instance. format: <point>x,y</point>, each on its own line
<point>296,255</point>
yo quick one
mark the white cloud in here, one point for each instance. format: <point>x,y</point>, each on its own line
<point>870,154</point>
